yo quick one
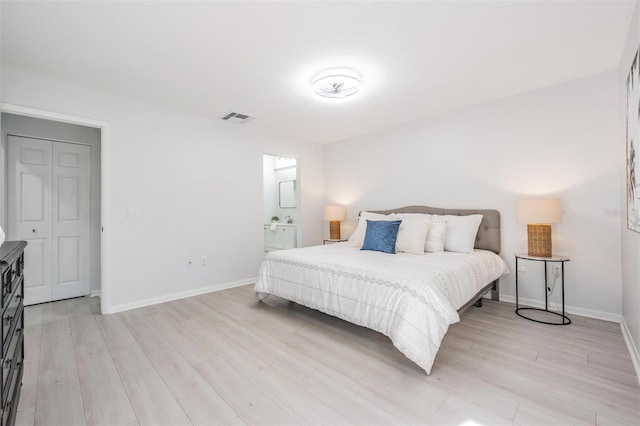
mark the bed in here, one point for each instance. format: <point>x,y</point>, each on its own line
<point>410,298</point>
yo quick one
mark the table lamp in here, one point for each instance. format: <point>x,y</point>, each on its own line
<point>334,214</point>
<point>539,214</point>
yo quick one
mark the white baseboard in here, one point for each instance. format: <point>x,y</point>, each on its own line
<point>633,349</point>
<point>591,313</point>
<point>177,296</point>
<point>95,293</point>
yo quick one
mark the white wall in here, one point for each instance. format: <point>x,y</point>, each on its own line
<point>556,141</point>
<point>630,239</point>
<point>197,180</point>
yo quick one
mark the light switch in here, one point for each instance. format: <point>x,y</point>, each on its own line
<point>134,213</point>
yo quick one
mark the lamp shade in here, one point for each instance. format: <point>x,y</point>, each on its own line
<point>542,210</point>
<point>333,213</point>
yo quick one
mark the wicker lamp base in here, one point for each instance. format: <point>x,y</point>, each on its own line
<point>334,230</point>
<point>539,237</point>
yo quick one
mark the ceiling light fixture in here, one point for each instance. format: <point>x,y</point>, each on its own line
<point>336,85</point>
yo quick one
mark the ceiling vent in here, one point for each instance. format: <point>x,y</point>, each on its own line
<point>236,117</point>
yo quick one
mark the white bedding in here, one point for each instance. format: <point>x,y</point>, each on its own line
<point>410,298</point>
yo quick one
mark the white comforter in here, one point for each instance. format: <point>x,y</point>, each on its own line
<point>410,298</point>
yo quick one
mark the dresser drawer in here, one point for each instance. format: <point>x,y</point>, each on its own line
<point>18,269</point>
<point>10,318</point>
<point>14,354</point>
<point>11,277</point>
<point>7,285</point>
<point>6,414</point>
<point>11,405</point>
<point>9,368</point>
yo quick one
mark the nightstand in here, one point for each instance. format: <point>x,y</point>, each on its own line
<point>325,242</point>
<point>554,259</point>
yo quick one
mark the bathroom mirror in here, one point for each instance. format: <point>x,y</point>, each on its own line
<point>288,194</point>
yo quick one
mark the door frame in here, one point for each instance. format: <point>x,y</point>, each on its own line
<point>299,206</point>
<point>104,126</point>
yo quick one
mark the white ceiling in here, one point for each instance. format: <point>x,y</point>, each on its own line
<point>259,58</point>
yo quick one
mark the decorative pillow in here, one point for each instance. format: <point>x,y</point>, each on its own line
<point>461,232</point>
<point>357,238</point>
<point>412,235</point>
<point>436,236</point>
<point>381,235</point>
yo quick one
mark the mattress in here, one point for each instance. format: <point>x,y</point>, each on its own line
<point>410,298</point>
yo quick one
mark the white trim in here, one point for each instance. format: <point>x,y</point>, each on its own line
<point>105,284</point>
<point>50,115</point>
<point>179,295</point>
<point>633,349</point>
<point>591,313</point>
<point>95,293</point>
<point>47,139</point>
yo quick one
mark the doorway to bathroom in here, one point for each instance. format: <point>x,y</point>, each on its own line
<point>280,202</point>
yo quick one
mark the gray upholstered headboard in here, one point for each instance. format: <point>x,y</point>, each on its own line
<point>488,237</point>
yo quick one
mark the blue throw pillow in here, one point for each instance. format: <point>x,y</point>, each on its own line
<point>381,235</point>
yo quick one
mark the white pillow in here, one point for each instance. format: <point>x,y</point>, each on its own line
<point>436,236</point>
<point>403,216</point>
<point>461,232</point>
<point>357,238</point>
<point>412,235</point>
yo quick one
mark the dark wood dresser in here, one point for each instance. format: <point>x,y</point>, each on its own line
<point>11,271</point>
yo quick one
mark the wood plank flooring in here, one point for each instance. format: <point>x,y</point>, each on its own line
<point>223,358</point>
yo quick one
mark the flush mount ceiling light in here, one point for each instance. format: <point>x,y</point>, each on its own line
<point>336,85</point>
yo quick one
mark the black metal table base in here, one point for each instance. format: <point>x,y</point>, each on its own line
<point>557,259</point>
<point>565,319</point>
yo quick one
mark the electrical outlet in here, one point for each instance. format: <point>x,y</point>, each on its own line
<point>203,260</point>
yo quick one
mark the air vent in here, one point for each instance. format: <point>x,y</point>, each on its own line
<point>236,117</point>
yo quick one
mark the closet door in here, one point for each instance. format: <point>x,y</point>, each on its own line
<point>29,211</point>
<point>49,207</point>
<point>71,224</point>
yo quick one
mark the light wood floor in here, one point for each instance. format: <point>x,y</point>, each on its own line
<point>223,358</point>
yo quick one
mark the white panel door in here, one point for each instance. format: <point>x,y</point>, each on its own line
<point>49,207</point>
<point>71,220</point>
<point>29,211</point>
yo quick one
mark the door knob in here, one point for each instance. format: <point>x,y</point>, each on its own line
<point>33,230</point>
